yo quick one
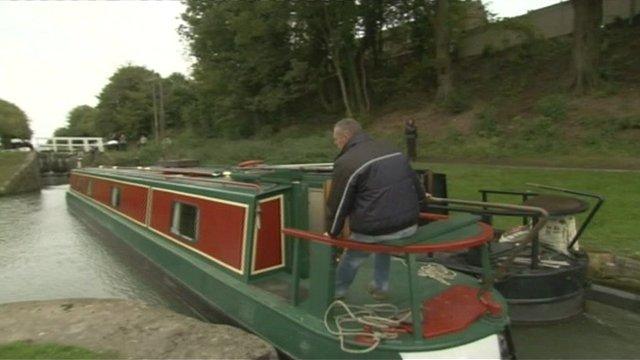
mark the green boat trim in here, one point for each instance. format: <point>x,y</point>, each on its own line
<point>284,306</point>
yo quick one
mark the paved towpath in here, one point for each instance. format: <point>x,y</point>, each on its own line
<point>130,329</point>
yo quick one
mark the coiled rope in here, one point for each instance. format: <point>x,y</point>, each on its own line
<point>380,318</point>
<point>383,320</point>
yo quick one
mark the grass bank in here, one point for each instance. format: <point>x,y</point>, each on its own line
<point>613,229</point>
<point>26,350</point>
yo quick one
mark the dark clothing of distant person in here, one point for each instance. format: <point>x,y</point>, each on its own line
<point>375,187</point>
<point>411,135</point>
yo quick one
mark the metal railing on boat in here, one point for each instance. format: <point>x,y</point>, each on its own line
<point>410,252</point>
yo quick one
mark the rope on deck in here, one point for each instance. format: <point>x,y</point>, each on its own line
<point>383,320</point>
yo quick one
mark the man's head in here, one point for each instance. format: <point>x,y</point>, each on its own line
<point>344,130</point>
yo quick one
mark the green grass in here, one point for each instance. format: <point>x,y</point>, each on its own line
<point>10,162</point>
<point>614,228</point>
<point>25,350</point>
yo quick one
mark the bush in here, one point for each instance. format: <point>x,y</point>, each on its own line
<point>552,106</point>
<point>486,124</point>
<point>459,101</point>
<point>626,123</point>
<point>539,134</point>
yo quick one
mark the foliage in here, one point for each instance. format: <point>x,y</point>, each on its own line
<point>27,350</point>
<point>13,123</point>
<point>246,70</point>
<point>486,124</point>
<point>179,101</point>
<point>258,62</point>
<point>553,107</point>
<point>126,103</point>
<point>458,101</point>
<point>81,121</point>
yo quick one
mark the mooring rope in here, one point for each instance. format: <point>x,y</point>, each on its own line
<point>370,315</point>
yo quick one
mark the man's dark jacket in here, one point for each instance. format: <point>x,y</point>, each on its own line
<point>375,187</point>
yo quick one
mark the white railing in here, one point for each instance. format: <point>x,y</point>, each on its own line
<point>69,144</point>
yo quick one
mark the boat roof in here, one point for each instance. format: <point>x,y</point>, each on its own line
<point>255,181</point>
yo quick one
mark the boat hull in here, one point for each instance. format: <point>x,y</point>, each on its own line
<point>291,330</point>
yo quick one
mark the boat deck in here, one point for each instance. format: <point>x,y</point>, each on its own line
<point>399,294</point>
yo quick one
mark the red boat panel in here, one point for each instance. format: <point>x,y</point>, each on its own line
<point>133,199</point>
<point>220,230</point>
<point>456,309</point>
<point>102,191</point>
<point>269,244</point>
<point>78,183</point>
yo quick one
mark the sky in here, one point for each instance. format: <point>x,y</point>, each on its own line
<point>56,55</point>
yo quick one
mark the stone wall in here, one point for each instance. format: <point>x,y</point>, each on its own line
<point>127,329</point>
<point>548,22</point>
<point>26,178</point>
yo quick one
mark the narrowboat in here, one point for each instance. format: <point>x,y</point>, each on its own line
<point>248,241</point>
<point>546,280</point>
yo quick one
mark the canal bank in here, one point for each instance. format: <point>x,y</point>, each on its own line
<point>130,329</point>
<point>20,172</point>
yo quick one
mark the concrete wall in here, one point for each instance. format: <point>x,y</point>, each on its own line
<point>549,22</point>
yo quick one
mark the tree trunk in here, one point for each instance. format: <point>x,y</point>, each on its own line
<point>586,43</point>
<point>443,58</point>
<point>343,86</point>
<point>322,96</point>
<point>355,83</point>
<point>365,93</point>
<point>333,44</point>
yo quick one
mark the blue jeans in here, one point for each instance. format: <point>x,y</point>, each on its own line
<point>352,259</point>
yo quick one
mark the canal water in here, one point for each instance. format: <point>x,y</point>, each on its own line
<point>47,253</point>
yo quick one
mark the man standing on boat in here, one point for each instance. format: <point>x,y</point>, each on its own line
<point>376,189</point>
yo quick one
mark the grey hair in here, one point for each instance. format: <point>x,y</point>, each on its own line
<point>348,127</point>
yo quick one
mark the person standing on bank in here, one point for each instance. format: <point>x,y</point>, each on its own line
<point>411,135</point>
<point>375,188</point>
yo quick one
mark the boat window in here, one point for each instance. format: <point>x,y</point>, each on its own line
<point>115,197</point>
<point>184,221</point>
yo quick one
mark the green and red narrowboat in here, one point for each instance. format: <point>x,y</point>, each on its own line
<point>248,242</point>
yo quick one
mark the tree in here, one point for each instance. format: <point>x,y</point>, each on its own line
<point>125,104</point>
<point>14,123</point>
<point>246,73</point>
<point>443,57</point>
<point>81,121</point>
<point>179,100</point>
<point>586,43</point>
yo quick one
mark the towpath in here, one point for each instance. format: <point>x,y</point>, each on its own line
<point>536,167</point>
<point>130,329</point>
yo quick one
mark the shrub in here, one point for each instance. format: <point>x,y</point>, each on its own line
<point>626,123</point>
<point>552,106</point>
<point>459,101</point>
<point>486,124</point>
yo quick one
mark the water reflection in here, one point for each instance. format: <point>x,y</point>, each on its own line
<point>603,332</point>
<point>46,253</point>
